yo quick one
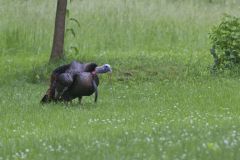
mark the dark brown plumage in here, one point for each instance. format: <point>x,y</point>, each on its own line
<point>84,84</point>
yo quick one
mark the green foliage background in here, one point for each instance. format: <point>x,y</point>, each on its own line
<point>162,102</point>
<point>225,39</point>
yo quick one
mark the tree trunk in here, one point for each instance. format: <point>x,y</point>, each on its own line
<point>59,30</point>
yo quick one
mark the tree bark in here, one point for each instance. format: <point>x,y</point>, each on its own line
<point>59,30</point>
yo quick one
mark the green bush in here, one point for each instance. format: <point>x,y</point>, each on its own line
<point>225,39</point>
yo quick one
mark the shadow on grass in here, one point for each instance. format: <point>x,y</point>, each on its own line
<point>74,105</point>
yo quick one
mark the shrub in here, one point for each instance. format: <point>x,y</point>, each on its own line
<point>225,39</point>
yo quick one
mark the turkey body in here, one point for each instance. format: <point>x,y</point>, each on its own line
<point>84,84</point>
<point>63,76</point>
<point>74,80</point>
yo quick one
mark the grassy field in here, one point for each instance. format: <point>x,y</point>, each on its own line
<point>162,101</point>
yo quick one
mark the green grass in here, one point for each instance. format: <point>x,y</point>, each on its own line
<point>162,101</point>
<point>166,120</point>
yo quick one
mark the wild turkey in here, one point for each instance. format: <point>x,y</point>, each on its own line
<point>74,80</point>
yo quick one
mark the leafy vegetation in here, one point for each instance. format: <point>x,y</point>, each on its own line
<point>225,39</point>
<point>161,103</point>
